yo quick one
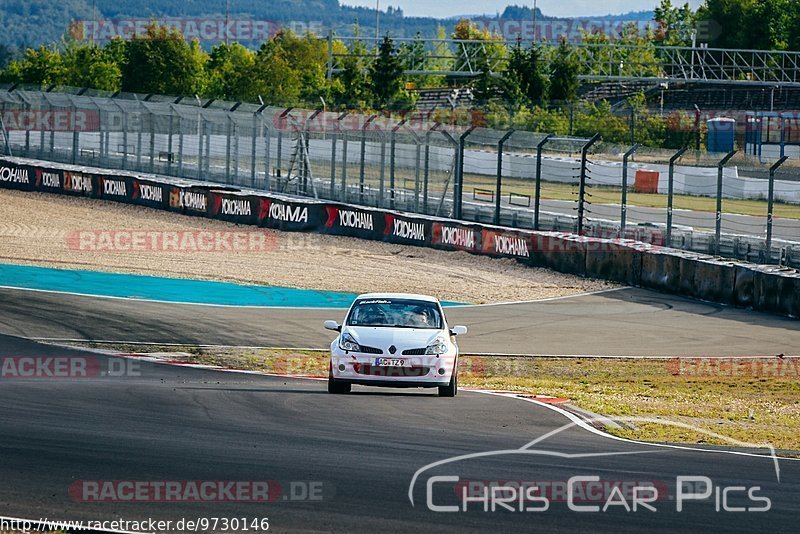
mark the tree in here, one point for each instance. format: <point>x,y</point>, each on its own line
<point>89,65</point>
<point>483,53</point>
<point>733,19</point>
<point>276,80</point>
<point>308,57</point>
<point>564,79</point>
<point>230,70</point>
<point>162,62</point>
<point>525,74</point>
<point>413,56</point>
<point>675,24</point>
<point>386,75</point>
<point>354,88</point>
<point>40,66</point>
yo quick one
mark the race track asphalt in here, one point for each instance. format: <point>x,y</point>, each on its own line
<point>162,423</point>
<point>624,322</point>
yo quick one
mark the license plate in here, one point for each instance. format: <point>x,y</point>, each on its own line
<point>392,362</point>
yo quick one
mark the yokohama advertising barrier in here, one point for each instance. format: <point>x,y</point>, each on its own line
<point>764,288</point>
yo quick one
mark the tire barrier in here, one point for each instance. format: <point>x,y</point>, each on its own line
<point>777,290</point>
<point>764,288</point>
<point>565,253</point>
<point>661,270</point>
<point>744,287</point>
<point>714,281</point>
<point>615,260</point>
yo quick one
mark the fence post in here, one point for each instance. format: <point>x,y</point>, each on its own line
<point>41,133</point>
<point>582,187</point>
<point>268,158</point>
<point>305,157</point>
<point>334,137</point>
<point>426,168</point>
<point>633,125</point>
<point>624,204</point>
<point>392,162</point>
<point>152,141</point>
<point>255,128</point>
<point>453,176</point>
<point>281,124</point>
<point>139,144</point>
<point>180,146</point>
<point>718,232</point>
<point>770,203</point>
<point>6,140</point>
<point>538,191</point>
<point>228,150</point>
<point>670,192</point>
<point>28,130</point>
<point>363,157</point>
<point>458,186</point>
<point>208,149</point>
<point>382,171</point>
<point>343,195</point>
<point>499,185</point>
<point>169,143</point>
<point>200,129</point>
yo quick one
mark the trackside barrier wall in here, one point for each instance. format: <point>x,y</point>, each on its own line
<point>763,288</point>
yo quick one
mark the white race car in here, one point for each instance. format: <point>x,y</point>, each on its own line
<point>394,340</point>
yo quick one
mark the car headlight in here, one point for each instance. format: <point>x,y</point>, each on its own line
<point>348,343</point>
<point>439,346</point>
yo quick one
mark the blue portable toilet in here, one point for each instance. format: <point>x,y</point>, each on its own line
<point>721,134</point>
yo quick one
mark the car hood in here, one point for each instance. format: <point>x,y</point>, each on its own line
<point>402,338</point>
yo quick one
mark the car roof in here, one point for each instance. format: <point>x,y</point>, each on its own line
<point>408,296</point>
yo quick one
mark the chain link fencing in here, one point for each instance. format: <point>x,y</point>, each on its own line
<point>738,205</point>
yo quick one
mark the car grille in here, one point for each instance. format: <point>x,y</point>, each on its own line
<point>370,350</point>
<point>373,370</point>
<point>414,352</point>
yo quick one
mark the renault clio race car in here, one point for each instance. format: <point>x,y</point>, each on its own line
<point>394,340</point>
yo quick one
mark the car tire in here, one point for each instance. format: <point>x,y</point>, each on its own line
<point>451,389</point>
<point>335,387</point>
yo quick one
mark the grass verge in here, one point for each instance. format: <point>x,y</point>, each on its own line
<point>754,401</point>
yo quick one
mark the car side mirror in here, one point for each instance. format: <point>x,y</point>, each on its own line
<point>458,330</point>
<point>333,325</point>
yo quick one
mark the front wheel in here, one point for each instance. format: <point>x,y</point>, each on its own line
<point>336,387</point>
<point>451,389</point>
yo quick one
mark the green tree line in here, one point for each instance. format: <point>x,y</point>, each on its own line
<point>534,87</point>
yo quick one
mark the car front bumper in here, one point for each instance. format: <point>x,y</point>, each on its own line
<point>424,371</point>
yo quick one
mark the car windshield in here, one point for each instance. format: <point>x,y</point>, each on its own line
<point>397,313</point>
